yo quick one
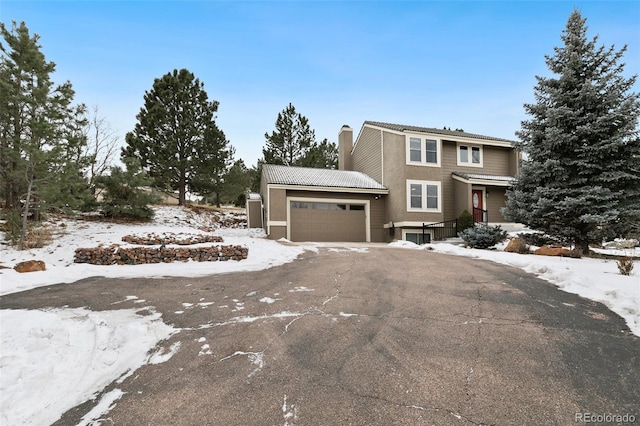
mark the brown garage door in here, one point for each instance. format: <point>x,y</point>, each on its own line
<point>315,221</point>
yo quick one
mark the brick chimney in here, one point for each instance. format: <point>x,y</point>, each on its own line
<point>345,145</point>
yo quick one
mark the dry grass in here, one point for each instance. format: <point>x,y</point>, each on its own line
<point>38,237</point>
<point>625,265</point>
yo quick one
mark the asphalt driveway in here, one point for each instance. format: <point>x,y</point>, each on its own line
<point>384,337</point>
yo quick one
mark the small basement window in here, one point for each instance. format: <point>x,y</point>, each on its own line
<point>418,237</point>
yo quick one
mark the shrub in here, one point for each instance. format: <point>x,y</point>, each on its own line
<point>465,221</point>
<point>38,237</point>
<point>124,196</point>
<point>483,236</point>
<point>625,265</point>
<point>13,226</point>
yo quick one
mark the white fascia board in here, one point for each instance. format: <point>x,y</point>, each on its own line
<point>330,189</point>
<point>382,156</point>
<point>486,182</point>
<point>467,140</point>
<point>474,141</point>
<point>384,129</point>
<point>278,223</point>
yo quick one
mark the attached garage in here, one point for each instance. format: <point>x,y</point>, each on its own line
<point>303,204</point>
<point>320,220</point>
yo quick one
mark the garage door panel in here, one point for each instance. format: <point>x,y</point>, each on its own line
<point>326,223</point>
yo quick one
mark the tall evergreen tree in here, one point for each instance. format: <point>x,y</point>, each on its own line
<point>236,183</point>
<point>323,155</point>
<point>41,141</point>
<point>581,176</point>
<point>292,139</point>
<point>176,137</point>
<point>214,164</point>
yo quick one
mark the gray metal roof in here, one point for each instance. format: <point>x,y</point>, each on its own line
<point>484,177</point>
<point>305,176</point>
<point>405,128</point>
<point>253,196</point>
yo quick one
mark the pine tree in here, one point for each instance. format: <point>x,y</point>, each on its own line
<point>176,138</point>
<point>323,155</point>
<point>213,165</point>
<point>236,183</point>
<point>41,142</point>
<point>581,177</point>
<point>291,140</point>
<point>126,191</point>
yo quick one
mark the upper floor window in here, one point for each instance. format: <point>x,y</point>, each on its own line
<point>423,151</point>
<point>469,155</point>
<point>423,196</point>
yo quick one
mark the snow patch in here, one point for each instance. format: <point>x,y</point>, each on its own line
<point>295,289</point>
<point>107,402</point>
<point>53,360</point>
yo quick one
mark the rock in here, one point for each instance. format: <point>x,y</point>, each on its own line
<point>621,244</point>
<point>553,251</point>
<point>30,266</point>
<point>516,245</point>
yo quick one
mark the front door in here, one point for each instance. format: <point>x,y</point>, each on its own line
<point>478,208</point>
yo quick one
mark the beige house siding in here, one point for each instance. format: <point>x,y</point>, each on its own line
<point>449,188</point>
<point>514,162</point>
<point>278,232</point>
<point>277,204</point>
<point>395,157</point>
<point>367,153</point>
<point>496,161</point>
<point>462,198</point>
<point>496,200</point>
<point>254,213</point>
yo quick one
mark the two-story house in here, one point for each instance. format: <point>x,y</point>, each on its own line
<point>394,182</point>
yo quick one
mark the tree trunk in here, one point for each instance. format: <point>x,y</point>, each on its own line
<point>182,190</point>
<point>25,215</point>
<point>582,246</point>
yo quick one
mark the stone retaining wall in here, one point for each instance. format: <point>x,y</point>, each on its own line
<point>116,255</point>
<point>165,239</point>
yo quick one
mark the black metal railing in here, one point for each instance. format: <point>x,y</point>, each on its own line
<point>480,216</point>
<point>441,230</point>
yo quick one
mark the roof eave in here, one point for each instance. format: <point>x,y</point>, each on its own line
<point>344,189</point>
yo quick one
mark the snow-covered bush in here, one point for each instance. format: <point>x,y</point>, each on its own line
<point>483,236</point>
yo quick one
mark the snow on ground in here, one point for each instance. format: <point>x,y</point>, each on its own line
<point>55,359</point>
<point>595,279</point>
<point>72,234</point>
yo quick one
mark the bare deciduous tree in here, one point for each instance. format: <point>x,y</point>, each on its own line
<point>102,145</point>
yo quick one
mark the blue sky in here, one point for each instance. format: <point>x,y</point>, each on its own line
<point>460,64</point>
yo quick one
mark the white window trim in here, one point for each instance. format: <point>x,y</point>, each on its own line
<point>469,163</point>
<point>423,151</point>
<point>424,184</point>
